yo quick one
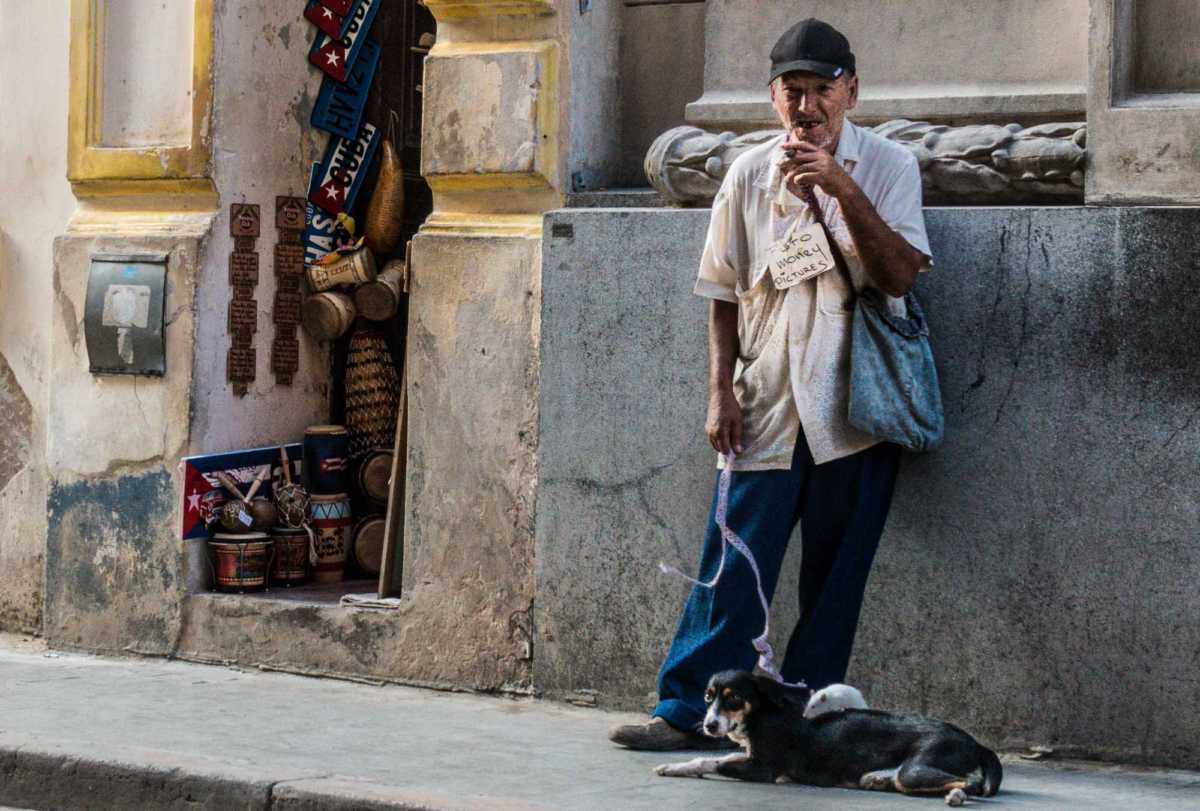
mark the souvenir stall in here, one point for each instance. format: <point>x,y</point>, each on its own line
<point>324,512</point>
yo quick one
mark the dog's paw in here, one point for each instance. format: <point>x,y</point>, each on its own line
<point>689,768</point>
<point>956,797</point>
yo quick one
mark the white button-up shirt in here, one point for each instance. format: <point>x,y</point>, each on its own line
<point>794,363</point>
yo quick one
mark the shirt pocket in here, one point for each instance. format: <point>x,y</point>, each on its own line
<point>832,294</point>
<point>759,312</point>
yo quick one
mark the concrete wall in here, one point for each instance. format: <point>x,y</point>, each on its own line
<point>958,61</point>
<point>661,70</point>
<point>34,207</point>
<point>1036,580</point>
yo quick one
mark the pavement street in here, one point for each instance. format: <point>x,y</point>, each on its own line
<point>88,732</point>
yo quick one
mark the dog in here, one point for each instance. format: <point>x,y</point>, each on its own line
<point>833,698</point>
<point>855,748</point>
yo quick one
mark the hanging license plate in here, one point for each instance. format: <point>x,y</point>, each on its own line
<point>326,19</point>
<point>335,56</point>
<point>340,105</point>
<point>318,226</point>
<point>801,255</point>
<point>343,170</point>
<point>339,7</point>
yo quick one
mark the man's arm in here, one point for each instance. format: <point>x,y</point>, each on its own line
<point>889,260</point>
<point>724,422</point>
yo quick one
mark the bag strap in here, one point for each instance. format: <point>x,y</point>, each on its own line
<point>809,196</point>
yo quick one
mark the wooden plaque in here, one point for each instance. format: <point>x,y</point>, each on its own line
<point>243,315</point>
<point>243,269</point>
<point>289,213</point>
<point>243,220</point>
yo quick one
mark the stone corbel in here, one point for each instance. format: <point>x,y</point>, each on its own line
<point>980,164</point>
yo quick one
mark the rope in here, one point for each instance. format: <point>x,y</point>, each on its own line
<point>766,655</point>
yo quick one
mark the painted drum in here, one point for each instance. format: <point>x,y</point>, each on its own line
<point>374,475</point>
<point>240,562</point>
<point>351,269</point>
<point>290,567</point>
<point>331,522</point>
<point>326,456</point>
<point>368,544</point>
<point>327,315</point>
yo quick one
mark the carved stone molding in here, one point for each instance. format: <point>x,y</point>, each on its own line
<point>980,164</point>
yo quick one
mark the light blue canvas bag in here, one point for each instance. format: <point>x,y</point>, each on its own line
<point>894,391</point>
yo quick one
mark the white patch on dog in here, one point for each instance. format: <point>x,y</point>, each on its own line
<point>956,797</point>
<point>715,716</point>
<point>696,767</point>
<point>833,698</point>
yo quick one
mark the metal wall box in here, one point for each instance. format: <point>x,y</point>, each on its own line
<point>123,315</point>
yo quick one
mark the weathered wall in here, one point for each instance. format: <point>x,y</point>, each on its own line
<point>1036,580</point>
<point>661,68</point>
<point>263,94</point>
<point>35,202</point>
<point>117,572</point>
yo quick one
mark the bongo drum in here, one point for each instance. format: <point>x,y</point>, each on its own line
<point>331,522</point>
<point>374,474</point>
<point>240,562</point>
<point>290,567</point>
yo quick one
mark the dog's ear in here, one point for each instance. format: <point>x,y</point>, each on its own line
<point>781,696</point>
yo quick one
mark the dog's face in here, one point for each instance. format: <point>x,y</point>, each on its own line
<point>730,698</point>
<point>735,695</point>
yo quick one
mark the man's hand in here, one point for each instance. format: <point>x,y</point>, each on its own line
<point>809,165</point>
<point>724,423</point>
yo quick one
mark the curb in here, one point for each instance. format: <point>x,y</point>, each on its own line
<point>65,782</point>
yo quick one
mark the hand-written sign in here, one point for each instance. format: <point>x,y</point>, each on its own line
<point>801,255</point>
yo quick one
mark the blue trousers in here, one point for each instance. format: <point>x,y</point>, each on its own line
<point>841,506</point>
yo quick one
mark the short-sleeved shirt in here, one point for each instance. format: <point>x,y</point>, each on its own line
<point>793,368</point>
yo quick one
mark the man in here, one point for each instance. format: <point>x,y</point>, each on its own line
<point>778,383</point>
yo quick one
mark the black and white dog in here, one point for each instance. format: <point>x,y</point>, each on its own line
<point>851,748</point>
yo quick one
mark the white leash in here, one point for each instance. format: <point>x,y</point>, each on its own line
<point>766,656</point>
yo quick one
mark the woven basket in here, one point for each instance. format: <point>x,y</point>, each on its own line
<point>372,393</point>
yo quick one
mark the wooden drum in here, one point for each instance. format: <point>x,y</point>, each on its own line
<point>331,521</point>
<point>240,562</point>
<point>368,544</point>
<point>290,567</point>
<point>375,474</point>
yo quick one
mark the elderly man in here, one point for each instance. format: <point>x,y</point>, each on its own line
<point>778,383</point>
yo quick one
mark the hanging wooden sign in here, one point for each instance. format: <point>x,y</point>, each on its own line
<point>244,227</point>
<point>243,269</point>
<point>289,267</point>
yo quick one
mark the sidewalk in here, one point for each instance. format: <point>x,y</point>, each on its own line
<point>85,732</point>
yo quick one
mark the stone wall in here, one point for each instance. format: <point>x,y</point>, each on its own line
<point>1036,580</point>
<point>34,208</point>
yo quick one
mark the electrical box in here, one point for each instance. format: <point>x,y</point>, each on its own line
<point>123,314</point>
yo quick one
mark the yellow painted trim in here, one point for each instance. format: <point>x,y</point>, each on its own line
<point>458,9</point>
<point>483,225</point>
<point>196,191</point>
<point>87,159</point>
<point>487,181</point>
<point>474,48</point>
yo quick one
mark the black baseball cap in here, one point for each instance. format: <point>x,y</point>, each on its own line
<point>814,46</point>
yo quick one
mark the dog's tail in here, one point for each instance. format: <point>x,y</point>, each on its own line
<point>993,772</point>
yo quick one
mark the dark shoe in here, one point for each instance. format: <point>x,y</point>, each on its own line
<point>659,736</point>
